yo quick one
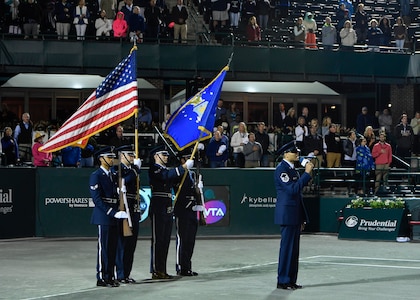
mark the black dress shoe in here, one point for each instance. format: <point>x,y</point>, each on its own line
<point>102,283</point>
<point>187,273</point>
<point>113,283</point>
<point>161,275</point>
<point>284,286</point>
<point>295,286</point>
<point>129,280</point>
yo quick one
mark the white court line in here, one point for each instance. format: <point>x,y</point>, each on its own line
<point>360,265</point>
<point>63,294</point>
<point>362,258</point>
<point>242,268</point>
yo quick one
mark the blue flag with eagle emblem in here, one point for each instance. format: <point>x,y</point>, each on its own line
<point>194,120</point>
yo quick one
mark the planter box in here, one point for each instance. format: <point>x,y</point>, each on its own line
<point>371,224</point>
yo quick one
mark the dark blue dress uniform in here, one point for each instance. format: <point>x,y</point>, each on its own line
<point>290,214</point>
<point>130,175</point>
<point>103,190</point>
<point>186,223</point>
<point>162,181</point>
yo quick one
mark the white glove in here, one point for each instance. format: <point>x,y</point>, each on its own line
<point>189,163</point>
<point>200,184</point>
<point>121,215</point>
<point>123,189</point>
<point>137,162</point>
<point>198,208</point>
<point>200,146</point>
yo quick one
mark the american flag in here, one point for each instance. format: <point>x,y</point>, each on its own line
<point>114,101</point>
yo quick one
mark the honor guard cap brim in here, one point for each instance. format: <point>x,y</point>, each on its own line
<point>289,147</point>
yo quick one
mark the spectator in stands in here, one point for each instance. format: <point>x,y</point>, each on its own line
<point>81,19</point>
<point>385,26</point>
<point>252,152</point>
<point>314,144</point>
<point>249,9</point>
<point>361,25</point>
<point>118,139</point>
<point>136,25</point>
<point>180,16</point>
<point>23,136</point>
<point>385,121</point>
<point>217,151</point>
<point>400,33</point>
<point>279,118</point>
<point>382,154</point>
<point>262,137</point>
<point>334,147</point>
<point>127,9</point>
<point>232,112</point>
<point>253,31</point>
<point>153,15</point>
<point>310,31</point>
<point>263,9</point>
<point>370,137</point>
<point>305,114</point>
<point>301,130</point>
<point>223,122</point>
<point>220,110</point>
<point>299,33</point>
<point>165,123</point>
<point>349,149</point>
<point>363,120</point>
<point>325,128</point>
<point>109,6</point>
<point>120,26</point>
<point>30,13</point>
<point>71,156</point>
<point>220,13</point>
<point>41,159</point>
<point>342,16</point>
<point>63,18</point>
<point>405,11</point>
<point>9,147</point>
<point>364,164</point>
<point>238,140</point>
<point>404,137</point>
<point>87,159</point>
<point>103,25</point>
<point>315,122</point>
<point>235,125</point>
<point>329,34</point>
<point>348,37</point>
<point>349,6</point>
<point>234,13</point>
<point>415,125</point>
<point>224,134</point>
<point>374,34</point>
<point>290,121</point>
<point>145,116</point>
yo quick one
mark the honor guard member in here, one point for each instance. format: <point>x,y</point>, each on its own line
<point>162,181</point>
<point>103,190</point>
<point>130,172</point>
<point>185,211</point>
<point>290,214</point>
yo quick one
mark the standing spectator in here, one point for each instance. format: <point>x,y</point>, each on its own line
<point>136,25</point>
<point>71,156</point>
<point>279,117</point>
<point>261,136</point>
<point>329,34</point>
<point>252,152</point>
<point>118,139</point>
<point>290,121</point>
<point>290,214</point>
<point>405,11</point>
<point>404,137</point>
<point>103,25</point>
<point>220,110</point>
<point>145,116</point>
<point>382,154</point>
<point>263,9</point>
<point>334,147</point>
<point>63,18</point>
<point>385,121</point>
<point>342,16</point>
<point>9,147</point>
<point>103,190</point>
<point>310,31</point>
<point>400,33</point>
<point>129,170</point>
<point>232,112</point>
<point>223,122</point>
<point>370,137</point>
<point>235,13</point>
<point>325,126</point>
<point>249,9</point>
<point>120,26</point>
<point>163,182</point>
<point>253,31</point>
<point>301,131</point>
<point>349,150</point>
<point>238,140</point>
<point>109,6</point>
<point>153,16</point>
<point>385,26</point>
<point>299,33</point>
<point>314,144</point>
<point>374,34</point>
<point>348,37</point>
<point>363,120</point>
<point>41,159</point>
<point>361,25</point>
<point>305,114</point>
<point>364,163</point>
<point>31,15</point>
<point>217,152</point>
<point>349,6</point>
<point>180,16</point>
<point>415,125</point>
<point>23,136</point>
<point>87,159</point>
<point>81,19</point>
<point>220,13</point>
<point>127,9</point>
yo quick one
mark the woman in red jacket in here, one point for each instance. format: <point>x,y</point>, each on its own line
<point>253,31</point>
<point>120,26</point>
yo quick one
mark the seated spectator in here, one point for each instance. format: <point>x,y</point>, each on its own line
<point>385,26</point>
<point>103,25</point>
<point>252,152</point>
<point>310,31</point>
<point>374,34</point>
<point>400,33</point>
<point>9,147</point>
<point>348,37</point>
<point>81,19</point>
<point>299,33</point>
<point>136,25</point>
<point>41,159</point>
<point>329,34</point>
<point>253,31</point>
<point>120,26</point>
<point>217,151</point>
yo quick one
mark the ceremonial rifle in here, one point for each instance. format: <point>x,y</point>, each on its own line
<point>127,225</point>
<point>199,192</point>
